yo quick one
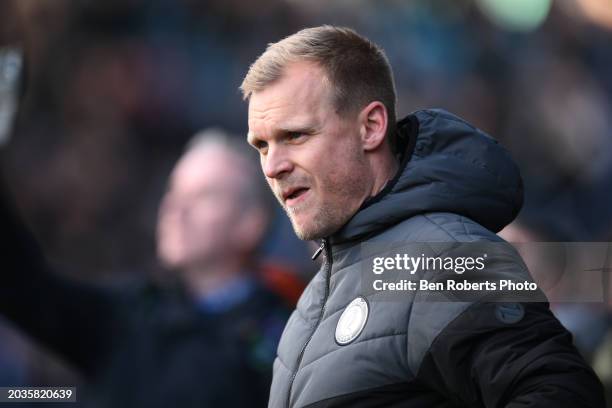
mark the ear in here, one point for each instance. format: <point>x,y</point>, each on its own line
<point>373,122</point>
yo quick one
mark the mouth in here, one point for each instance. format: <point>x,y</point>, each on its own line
<point>293,195</point>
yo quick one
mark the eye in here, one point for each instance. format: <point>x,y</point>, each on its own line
<point>295,135</point>
<point>260,145</point>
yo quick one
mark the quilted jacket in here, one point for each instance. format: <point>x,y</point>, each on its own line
<point>455,184</point>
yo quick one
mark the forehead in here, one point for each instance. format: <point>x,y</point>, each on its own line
<point>206,167</point>
<point>302,94</point>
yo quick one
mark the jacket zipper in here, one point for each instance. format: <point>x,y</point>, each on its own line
<point>318,251</point>
<point>328,266</point>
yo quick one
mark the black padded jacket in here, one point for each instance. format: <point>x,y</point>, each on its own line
<point>455,184</point>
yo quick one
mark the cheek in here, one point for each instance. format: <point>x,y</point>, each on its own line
<point>345,170</point>
<point>170,245</point>
<point>167,228</point>
<point>320,165</point>
<point>270,183</point>
<point>204,219</point>
<point>343,187</point>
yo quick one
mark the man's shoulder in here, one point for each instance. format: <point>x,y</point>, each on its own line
<point>442,227</point>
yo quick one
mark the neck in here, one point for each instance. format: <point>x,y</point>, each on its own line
<point>387,169</point>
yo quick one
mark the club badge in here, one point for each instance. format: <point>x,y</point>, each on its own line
<point>352,321</point>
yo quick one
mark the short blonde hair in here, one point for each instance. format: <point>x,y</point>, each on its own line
<point>356,67</point>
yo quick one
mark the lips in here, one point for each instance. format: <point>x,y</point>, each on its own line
<point>293,194</point>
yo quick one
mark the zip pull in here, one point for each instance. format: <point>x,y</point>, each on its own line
<point>318,251</point>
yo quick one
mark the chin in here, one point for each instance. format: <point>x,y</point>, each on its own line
<point>302,231</point>
<point>171,257</point>
<point>169,263</point>
<point>312,227</point>
<point>306,235</point>
<point>308,232</point>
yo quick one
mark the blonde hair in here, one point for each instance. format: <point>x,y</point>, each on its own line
<point>357,69</point>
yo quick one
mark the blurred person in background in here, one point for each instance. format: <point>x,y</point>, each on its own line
<point>206,339</point>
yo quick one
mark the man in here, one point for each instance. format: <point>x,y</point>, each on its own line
<point>208,341</point>
<point>322,116</point>
<point>212,218</point>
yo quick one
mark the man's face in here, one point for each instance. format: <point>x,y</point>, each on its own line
<point>311,156</point>
<point>199,211</point>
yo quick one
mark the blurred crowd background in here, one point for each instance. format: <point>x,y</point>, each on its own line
<point>115,89</point>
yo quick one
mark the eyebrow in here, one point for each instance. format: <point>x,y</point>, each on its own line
<point>305,128</point>
<point>284,130</point>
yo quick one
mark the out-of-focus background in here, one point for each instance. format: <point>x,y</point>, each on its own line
<point>115,89</point>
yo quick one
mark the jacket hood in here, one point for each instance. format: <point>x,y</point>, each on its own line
<point>448,166</point>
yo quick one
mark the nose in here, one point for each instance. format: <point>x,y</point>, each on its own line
<point>276,163</point>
